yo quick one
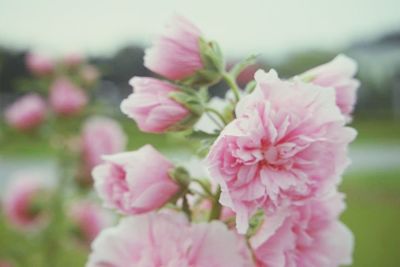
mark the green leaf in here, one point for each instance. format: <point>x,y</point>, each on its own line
<point>255,222</point>
<point>202,135</point>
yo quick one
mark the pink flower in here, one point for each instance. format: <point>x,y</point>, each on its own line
<point>39,64</point>
<point>151,107</point>
<point>168,240</point>
<point>135,182</point>
<point>21,198</point>
<point>27,112</point>
<point>4,263</point>
<point>73,60</point>
<point>89,219</point>
<point>287,144</point>
<point>101,136</point>
<point>338,74</point>
<point>306,236</point>
<point>89,74</point>
<point>66,98</point>
<point>176,54</point>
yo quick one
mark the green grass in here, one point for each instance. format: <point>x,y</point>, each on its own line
<point>373,214</point>
<point>25,249</point>
<point>15,144</point>
<point>377,131</point>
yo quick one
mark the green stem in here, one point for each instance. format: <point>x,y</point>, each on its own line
<point>216,112</point>
<point>232,84</point>
<point>55,230</point>
<point>216,207</point>
<point>215,121</point>
<point>186,208</point>
<point>204,186</point>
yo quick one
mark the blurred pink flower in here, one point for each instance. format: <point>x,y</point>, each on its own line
<point>135,182</point>
<point>101,136</point>
<point>168,240</point>
<point>21,198</point>
<point>89,74</point>
<point>66,98</point>
<point>27,112</point>
<point>4,263</point>
<point>339,74</point>
<point>89,219</point>
<point>287,144</point>
<point>151,107</point>
<point>310,235</point>
<point>176,54</point>
<point>73,60</point>
<point>39,64</point>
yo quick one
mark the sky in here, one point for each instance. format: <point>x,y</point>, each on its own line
<point>101,27</point>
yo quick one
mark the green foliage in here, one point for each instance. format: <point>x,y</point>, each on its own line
<point>373,205</point>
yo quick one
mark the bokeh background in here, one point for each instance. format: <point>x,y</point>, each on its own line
<point>289,36</point>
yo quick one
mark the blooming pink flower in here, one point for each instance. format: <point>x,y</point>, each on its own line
<point>135,182</point>
<point>101,136</point>
<point>89,219</point>
<point>27,112</point>
<point>287,144</point>
<point>39,64</point>
<point>306,236</point>
<point>168,240</point>
<point>21,196</point>
<point>151,107</point>
<point>176,54</point>
<point>66,98</point>
<point>338,74</point>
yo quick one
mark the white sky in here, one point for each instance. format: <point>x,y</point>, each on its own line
<point>240,26</point>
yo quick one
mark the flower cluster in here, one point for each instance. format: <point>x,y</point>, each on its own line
<point>34,203</point>
<point>275,154</point>
<point>65,83</point>
<point>287,144</point>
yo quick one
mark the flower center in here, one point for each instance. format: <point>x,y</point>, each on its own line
<point>277,156</point>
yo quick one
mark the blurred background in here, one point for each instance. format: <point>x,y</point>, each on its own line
<point>289,36</point>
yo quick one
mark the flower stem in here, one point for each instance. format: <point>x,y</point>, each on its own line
<point>217,123</point>
<point>186,208</point>
<point>216,207</point>
<point>55,231</point>
<point>230,80</point>
<point>204,186</point>
<point>217,113</point>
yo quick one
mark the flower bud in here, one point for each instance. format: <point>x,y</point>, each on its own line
<point>39,65</point>
<point>154,107</point>
<point>24,201</point>
<point>338,74</point>
<point>100,136</point>
<point>26,113</point>
<point>135,182</point>
<point>73,60</point>
<point>89,74</point>
<point>65,98</point>
<point>88,219</point>
<point>181,53</point>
